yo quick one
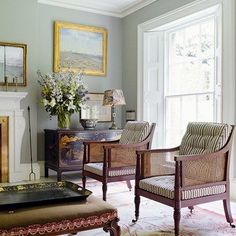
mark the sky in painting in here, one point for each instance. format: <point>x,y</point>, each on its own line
<point>14,55</point>
<point>81,42</point>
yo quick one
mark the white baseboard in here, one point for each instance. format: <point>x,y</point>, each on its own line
<point>23,173</point>
<point>42,171</point>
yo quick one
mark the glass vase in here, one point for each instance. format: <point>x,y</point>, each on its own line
<point>63,121</point>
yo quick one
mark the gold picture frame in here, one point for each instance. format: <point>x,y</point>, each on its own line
<point>13,64</point>
<point>93,109</point>
<point>80,47</point>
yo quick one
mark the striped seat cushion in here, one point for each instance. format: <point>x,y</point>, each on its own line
<point>202,138</point>
<point>97,168</point>
<point>134,132</point>
<point>164,186</point>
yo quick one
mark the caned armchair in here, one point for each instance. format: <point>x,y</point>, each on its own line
<point>116,160</point>
<point>195,172</point>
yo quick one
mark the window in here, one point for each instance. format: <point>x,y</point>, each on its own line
<point>190,80</point>
<point>182,75</point>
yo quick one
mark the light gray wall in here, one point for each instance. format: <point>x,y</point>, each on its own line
<point>129,25</point>
<point>26,21</point>
<point>18,24</point>
<point>49,14</point>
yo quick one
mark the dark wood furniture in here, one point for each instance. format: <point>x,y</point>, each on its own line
<point>184,180</point>
<point>116,161</point>
<point>64,148</point>
<point>61,218</point>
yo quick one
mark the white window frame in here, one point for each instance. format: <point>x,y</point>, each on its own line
<point>228,58</point>
<point>214,12</point>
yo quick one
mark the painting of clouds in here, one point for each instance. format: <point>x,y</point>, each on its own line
<point>82,48</point>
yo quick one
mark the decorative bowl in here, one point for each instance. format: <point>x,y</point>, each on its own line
<point>88,123</point>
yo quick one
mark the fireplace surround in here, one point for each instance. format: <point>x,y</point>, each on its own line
<point>12,170</point>
<point>4,153</point>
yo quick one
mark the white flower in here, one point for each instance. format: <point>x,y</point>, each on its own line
<point>45,102</point>
<point>70,96</point>
<point>62,92</point>
<point>71,106</point>
<point>52,103</point>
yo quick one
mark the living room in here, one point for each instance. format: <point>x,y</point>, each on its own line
<point>126,48</point>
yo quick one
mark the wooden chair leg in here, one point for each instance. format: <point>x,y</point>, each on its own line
<point>129,185</point>
<point>177,216</point>
<point>113,228</point>
<point>228,215</point>
<point>137,204</point>
<point>104,191</point>
<point>191,209</point>
<point>84,181</point>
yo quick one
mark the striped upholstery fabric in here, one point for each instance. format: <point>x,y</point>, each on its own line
<point>202,138</point>
<point>97,168</point>
<point>164,186</point>
<point>134,132</point>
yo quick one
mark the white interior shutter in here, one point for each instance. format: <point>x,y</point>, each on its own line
<point>153,83</point>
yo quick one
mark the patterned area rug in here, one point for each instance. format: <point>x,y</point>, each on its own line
<point>157,219</point>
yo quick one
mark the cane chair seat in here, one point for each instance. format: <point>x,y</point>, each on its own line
<point>164,186</point>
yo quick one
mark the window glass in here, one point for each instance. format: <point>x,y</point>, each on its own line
<point>189,85</point>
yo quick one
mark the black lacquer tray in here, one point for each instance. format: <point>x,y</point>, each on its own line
<point>28,195</point>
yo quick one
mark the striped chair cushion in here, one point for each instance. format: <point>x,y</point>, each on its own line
<point>164,186</point>
<point>134,132</point>
<point>97,168</point>
<point>202,138</point>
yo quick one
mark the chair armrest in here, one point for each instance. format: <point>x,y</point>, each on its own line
<point>127,146</point>
<point>163,150</point>
<point>155,162</point>
<point>93,150</point>
<point>196,157</point>
<point>121,155</point>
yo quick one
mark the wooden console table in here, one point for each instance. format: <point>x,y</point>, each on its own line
<point>64,148</point>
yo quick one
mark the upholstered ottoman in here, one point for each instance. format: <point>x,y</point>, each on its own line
<point>56,219</point>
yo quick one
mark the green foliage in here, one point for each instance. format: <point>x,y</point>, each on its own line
<point>62,92</point>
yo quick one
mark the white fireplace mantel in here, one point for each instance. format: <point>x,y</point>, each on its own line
<point>11,100</point>
<point>10,107</point>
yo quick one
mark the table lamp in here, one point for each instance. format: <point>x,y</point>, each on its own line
<point>113,97</point>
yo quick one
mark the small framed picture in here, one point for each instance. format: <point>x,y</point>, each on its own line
<point>93,109</point>
<point>13,64</point>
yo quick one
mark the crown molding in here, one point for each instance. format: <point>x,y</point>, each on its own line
<point>136,7</point>
<point>93,8</point>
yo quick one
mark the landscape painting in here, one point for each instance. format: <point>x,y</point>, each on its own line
<point>80,47</point>
<point>12,64</point>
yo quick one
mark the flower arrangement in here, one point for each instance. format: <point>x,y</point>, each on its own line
<point>62,93</point>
